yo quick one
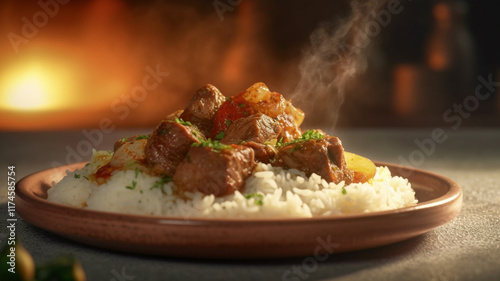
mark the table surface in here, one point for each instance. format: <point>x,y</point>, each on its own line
<point>467,248</point>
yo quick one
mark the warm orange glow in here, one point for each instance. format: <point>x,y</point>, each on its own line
<point>437,60</point>
<point>441,12</point>
<point>36,85</point>
<point>27,93</point>
<point>405,89</point>
<point>240,54</point>
<point>72,72</point>
<point>438,47</point>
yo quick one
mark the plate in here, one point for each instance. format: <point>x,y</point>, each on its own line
<point>440,200</point>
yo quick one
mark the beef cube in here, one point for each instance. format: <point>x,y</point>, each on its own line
<point>202,108</point>
<point>263,152</point>
<point>169,144</point>
<point>254,131</point>
<point>258,128</point>
<point>324,157</point>
<point>215,171</point>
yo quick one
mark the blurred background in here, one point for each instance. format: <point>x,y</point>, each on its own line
<point>68,65</point>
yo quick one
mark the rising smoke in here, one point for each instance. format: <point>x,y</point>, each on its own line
<point>336,53</point>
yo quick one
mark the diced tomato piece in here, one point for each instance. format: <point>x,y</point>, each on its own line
<point>230,111</point>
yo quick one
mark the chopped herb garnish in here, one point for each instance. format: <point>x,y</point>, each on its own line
<point>228,122</point>
<point>215,145</point>
<point>220,135</point>
<point>307,135</point>
<point>257,198</point>
<point>198,135</point>
<point>182,122</point>
<point>159,183</point>
<point>141,191</point>
<point>86,165</point>
<point>134,183</point>
<point>77,176</point>
<point>344,191</point>
<point>162,132</point>
<point>85,177</point>
<point>142,137</point>
<point>312,135</point>
<point>229,98</point>
<point>137,171</point>
<point>124,140</point>
<point>280,142</point>
<point>241,104</point>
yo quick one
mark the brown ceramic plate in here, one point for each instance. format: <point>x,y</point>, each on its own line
<point>440,200</point>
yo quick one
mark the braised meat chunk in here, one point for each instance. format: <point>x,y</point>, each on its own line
<point>322,155</point>
<point>257,128</point>
<point>202,108</point>
<point>214,168</point>
<point>263,152</point>
<point>254,131</point>
<point>169,144</point>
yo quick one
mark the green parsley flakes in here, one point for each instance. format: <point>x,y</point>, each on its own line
<point>306,136</point>
<point>138,137</point>
<point>215,145</point>
<point>279,142</point>
<point>220,135</point>
<point>257,197</point>
<point>159,183</point>
<point>134,183</point>
<point>182,122</point>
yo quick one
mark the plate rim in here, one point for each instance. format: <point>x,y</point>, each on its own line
<point>271,238</point>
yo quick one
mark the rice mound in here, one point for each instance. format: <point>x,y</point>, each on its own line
<point>270,192</point>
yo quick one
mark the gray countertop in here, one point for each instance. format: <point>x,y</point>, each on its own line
<point>467,248</point>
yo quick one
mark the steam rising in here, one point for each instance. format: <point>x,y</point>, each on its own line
<point>336,54</point>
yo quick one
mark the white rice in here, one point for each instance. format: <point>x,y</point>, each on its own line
<point>270,192</point>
